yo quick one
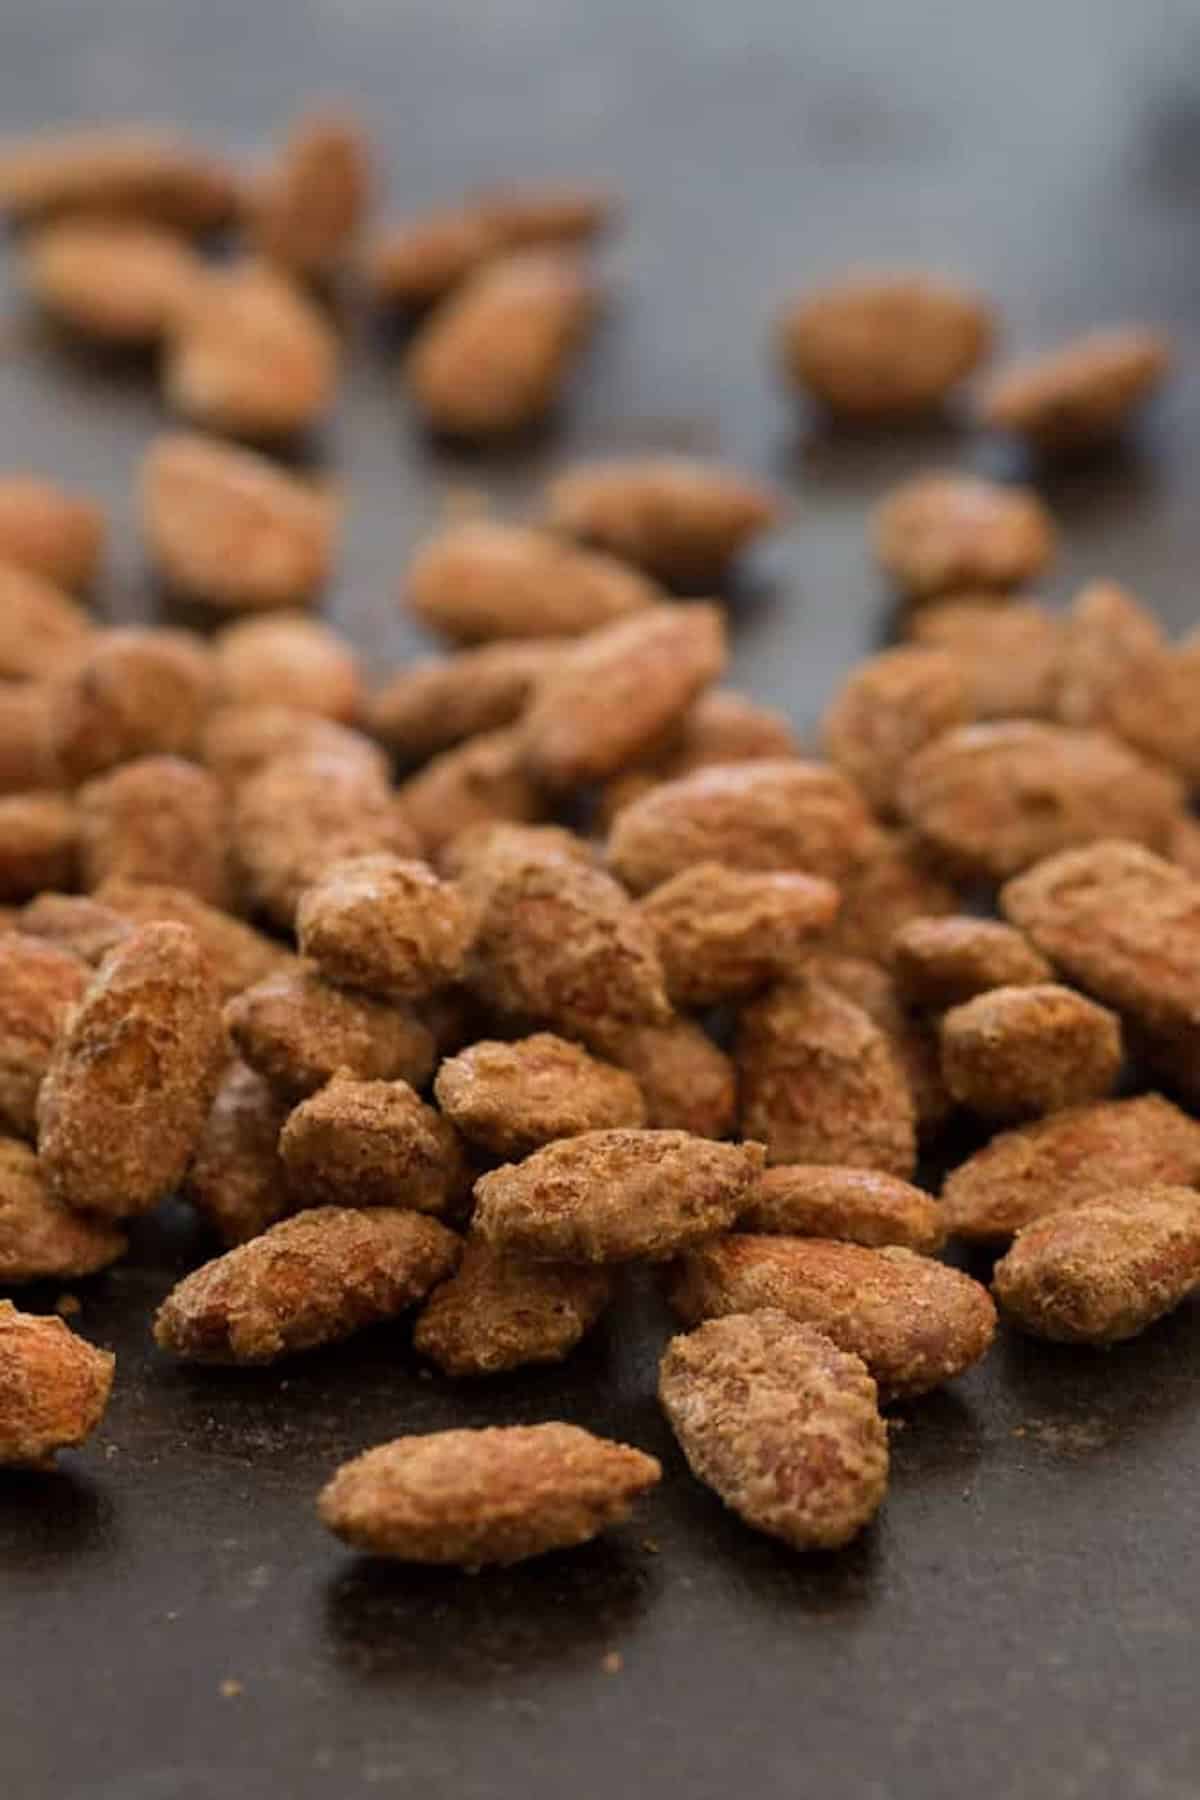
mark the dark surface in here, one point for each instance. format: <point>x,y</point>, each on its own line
<point>1021,1621</point>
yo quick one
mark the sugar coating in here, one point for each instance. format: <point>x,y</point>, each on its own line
<point>914,1322</point>
<point>48,529</point>
<point>1125,926</point>
<point>894,880</point>
<point>300,813</point>
<point>686,1082</point>
<point>133,693</point>
<point>431,705</point>
<point>481,782</point>
<point>157,819</point>
<point>1080,394</point>
<point>859,1206</point>
<point>309,1280</point>
<point>941,962</point>
<point>913,1038</point>
<point>1008,655</point>
<point>992,799</point>
<point>495,357</point>
<point>612,695</point>
<point>237,956</point>
<point>764,816</point>
<point>236,1179</point>
<point>512,1098</point>
<point>939,532</point>
<point>39,843</point>
<point>497,1495</point>
<point>385,924</point>
<point>297,1031</point>
<point>40,1238</point>
<point>231,529</point>
<point>497,1313</point>
<point>1018,1052</point>
<point>42,630</point>
<point>132,1076</point>
<point>288,660</point>
<point>614,1196</point>
<point>372,1143</point>
<point>1105,1270</point>
<point>484,580</point>
<point>1076,1155</point>
<point>39,984</point>
<point>781,1423</point>
<point>722,932</point>
<point>889,707</point>
<point>54,1388</point>
<point>681,519</point>
<point>820,1082</point>
<point>239,739</point>
<point>881,344</point>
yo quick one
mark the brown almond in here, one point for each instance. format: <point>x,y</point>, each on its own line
<point>39,984</point>
<point>385,925</point>
<point>1018,1052</point>
<point>297,1032</point>
<point>512,1098</point>
<point>307,205</point>
<point>116,281</point>
<point>139,170</point>
<point>134,692</point>
<point>1081,394</point>
<point>39,844</point>
<point>479,783</point>
<point>722,933</point>
<point>40,1238</point>
<point>372,1143</point>
<point>687,1083</point>
<point>44,528</point>
<point>235,953</point>
<point>1008,655</point>
<point>42,630</point>
<point>942,962</point>
<point>936,533</point>
<point>236,1180</point>
<point>158,819</point>
<point>54,1388</point>
<point>859,1206</point>
<point>434,704</point>
<point>496,1314</point>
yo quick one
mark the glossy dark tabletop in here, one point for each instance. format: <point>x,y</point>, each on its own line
<point>174,1624</point>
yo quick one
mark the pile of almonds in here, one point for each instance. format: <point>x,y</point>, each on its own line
<point>463,989</point>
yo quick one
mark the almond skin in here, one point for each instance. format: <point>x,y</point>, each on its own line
<point>1105,1270</point>
<point>914,1322</point>
<point>781,1423</point>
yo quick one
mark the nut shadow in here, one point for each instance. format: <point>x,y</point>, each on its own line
<point>50,1517</point>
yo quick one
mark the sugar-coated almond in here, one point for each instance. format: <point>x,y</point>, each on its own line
<point>307,204</point>
<point>686,1082</point>
<point>385,924</point>
<point>512,1098</point>
<point>888,708</point>
<point>117,281</point>
<point>236,1180</point>
<point>139,170</point>
<point>936,533</point>
<point>496,1313</point>
<point>40,1238</point>
<point>39,984</point>
<point>371,1143</point>
<point>238,740</point>
<point>159,819</point>
<point>1082,393</point>
<point>912,1037</point>
<point>722,932</point>
<point>54,1388</point>
<point>42,630</point>
<point>49,530</point>
<point>1018,1052</point>
<point>1008,655</point>
<point>481,782</point>
<point>135,692</point>
<point>298,1033</point>
<point>433,704</point>
<point>87,927</point>
<point>235,953</point>
<point>288,660</point>
<point>895,879</point>
<point>39,844</point>
<point>942,962</point>
<point>859,1206</point>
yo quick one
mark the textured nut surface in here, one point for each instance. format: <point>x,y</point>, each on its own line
<point>562,944</point>
<point>236,955</point>
<point>496,1314</point>
<point>133,693</point>
<point>371,1143</point>
<point>236,1179</point>
<point>298,1032</point>
<point>722,932</point>
<point>39,984</point>
<point>913,1038</point>
<point>228,527</point>
<point>497,1495</point>
<point>680,519</point>
<point>1124,925</point>
<point>721,726</point>
<point>39,841</point>
<point>139,170</point>
<point>288,660</point>
<point>1080,394</point>
<point>887,709</point>
<point>495,357</point>
<point>991,799</point>
<point>781,1423</point>
<point>611,696</point>
<point>53,1387</point>
<point>29,757</point>
<point>820,1082</point>
<point>481,782</point>
<point>939,963</point>
<point>40,1238</point>
<point>859,1206</point>
<point>880,344</point>
<point>385,925</point>
<point>1017,1052</point>
<point>895,880</point>
<point>132,1077</point>
<point>434,704</point>
<point>914,1322</point>
<point>248,354</point>
<point>309,1280</point>
<point>49,530</point>
<point>936,533</point>
<point>483,580</point>
<point>1008,655</point>
<point>1106,1269</point>
<point>87,927</point>
<point>686,1082</point>
<point>755,816</point>
<point>613,1196</point>
<point>548,212</point>
<point>300,814</point>
<point>417,260</point>
<point>42,630</point>
<point>514,1097</point>
<point>239,740</point>
<point>1117,671</point>
<point>157,819</point>
<point>306,206</point>
<point>119,281</point>
<point>1072,1156</point>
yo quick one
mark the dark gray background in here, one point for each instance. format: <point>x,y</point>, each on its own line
<point>1021,1620</point>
